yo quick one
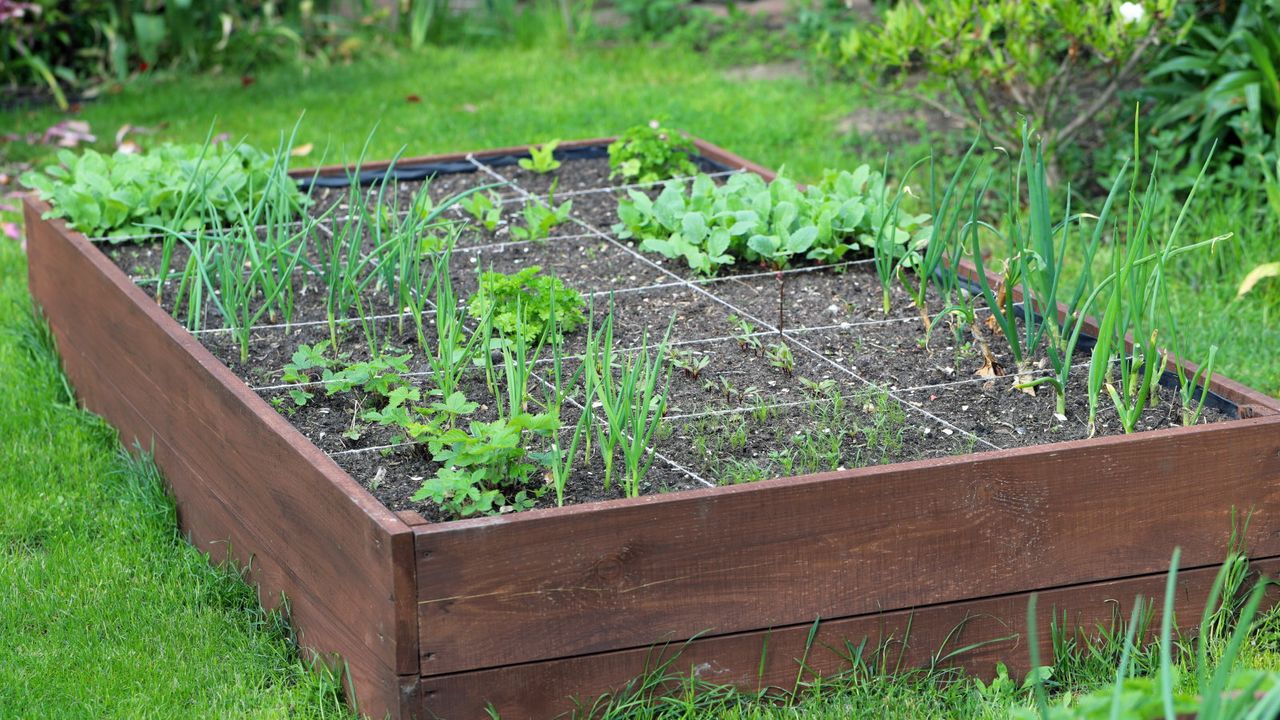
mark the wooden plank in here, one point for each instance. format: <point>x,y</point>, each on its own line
<point>733,160</point>
<point>248,485</point>
<point>911,638</point>
<point>577,580</point>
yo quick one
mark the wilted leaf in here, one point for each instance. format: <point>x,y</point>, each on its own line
<point>1258,274</point>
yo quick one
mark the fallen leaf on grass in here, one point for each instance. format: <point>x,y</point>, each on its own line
<point>1256,275</point>
<point>468,107</point>
<point>413,98</point>
<point>302,150</point>
<point>68,134</point>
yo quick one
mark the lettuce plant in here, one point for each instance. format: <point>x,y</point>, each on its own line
<point>746,219</point>
<point>542,159</point>
<point>125,194</point>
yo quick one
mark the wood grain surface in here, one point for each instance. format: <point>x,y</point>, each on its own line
<point>907,639</point>
<point>570,581</point>
<point>248,486</point>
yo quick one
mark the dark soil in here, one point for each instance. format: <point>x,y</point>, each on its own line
<point>861,388</point>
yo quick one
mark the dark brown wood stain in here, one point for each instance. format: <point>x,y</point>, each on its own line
<point>527,610</point>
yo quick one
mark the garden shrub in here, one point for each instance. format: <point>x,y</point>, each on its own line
<point>1217,84</point>
<point>1060,63</point>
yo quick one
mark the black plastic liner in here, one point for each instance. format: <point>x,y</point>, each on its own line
<point>413,172</point>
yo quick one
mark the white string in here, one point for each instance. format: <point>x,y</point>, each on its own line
<point>742,313</point>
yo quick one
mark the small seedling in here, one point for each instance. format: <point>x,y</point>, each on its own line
<point>722,386</point>
<point>779,355</point>
<point>485,208</point>
<point>540,217</point>
<point>541,158</point>
<point>818,388</point>
<point>691,362</point>
<point>745,335</point>
<point>761,409</point>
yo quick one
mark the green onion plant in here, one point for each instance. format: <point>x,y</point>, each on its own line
<point>632,393</point>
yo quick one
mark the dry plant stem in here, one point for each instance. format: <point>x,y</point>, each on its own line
<point>925,320</point>
<point>1071,128</point>
<point>989,360</point>
<point>781,289</point>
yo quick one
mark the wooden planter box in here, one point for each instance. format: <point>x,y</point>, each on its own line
<point>523,611</point>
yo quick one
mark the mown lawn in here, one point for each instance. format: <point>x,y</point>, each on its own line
<point>109,614</point>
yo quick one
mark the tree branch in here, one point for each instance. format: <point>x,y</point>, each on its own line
<point>1108,92</point>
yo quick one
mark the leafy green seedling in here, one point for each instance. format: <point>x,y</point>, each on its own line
<point>779,355</point>
<point>484,469</point>
<point>745,335</point>
<point>298,371</point>
<point>540,217</point>
<point>691,362</point>
<point>485,208</point>
<point>520,306</point>
<point>541,158</point>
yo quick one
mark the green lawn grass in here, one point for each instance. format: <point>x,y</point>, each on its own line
<point>104,610</point>
<point>110,614</point>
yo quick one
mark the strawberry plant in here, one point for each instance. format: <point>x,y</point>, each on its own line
<point>484,469</point>
<point>298,371</point>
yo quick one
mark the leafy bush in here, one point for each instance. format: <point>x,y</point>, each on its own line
<point>172,186</point>
<point>57,43</point>
<point>653,18</point>
<point>1060,63</point>
<point>747,219</point>
<point>1218,84</point>
<point>649,154</point>
<point>520,305</point>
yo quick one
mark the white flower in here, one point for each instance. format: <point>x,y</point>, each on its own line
<point>654,124</point>
<point>1132,12</point>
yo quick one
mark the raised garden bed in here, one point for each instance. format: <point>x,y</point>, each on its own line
<point>960,499</point>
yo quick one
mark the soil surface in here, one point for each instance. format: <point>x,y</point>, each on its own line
<point>771,375</point>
